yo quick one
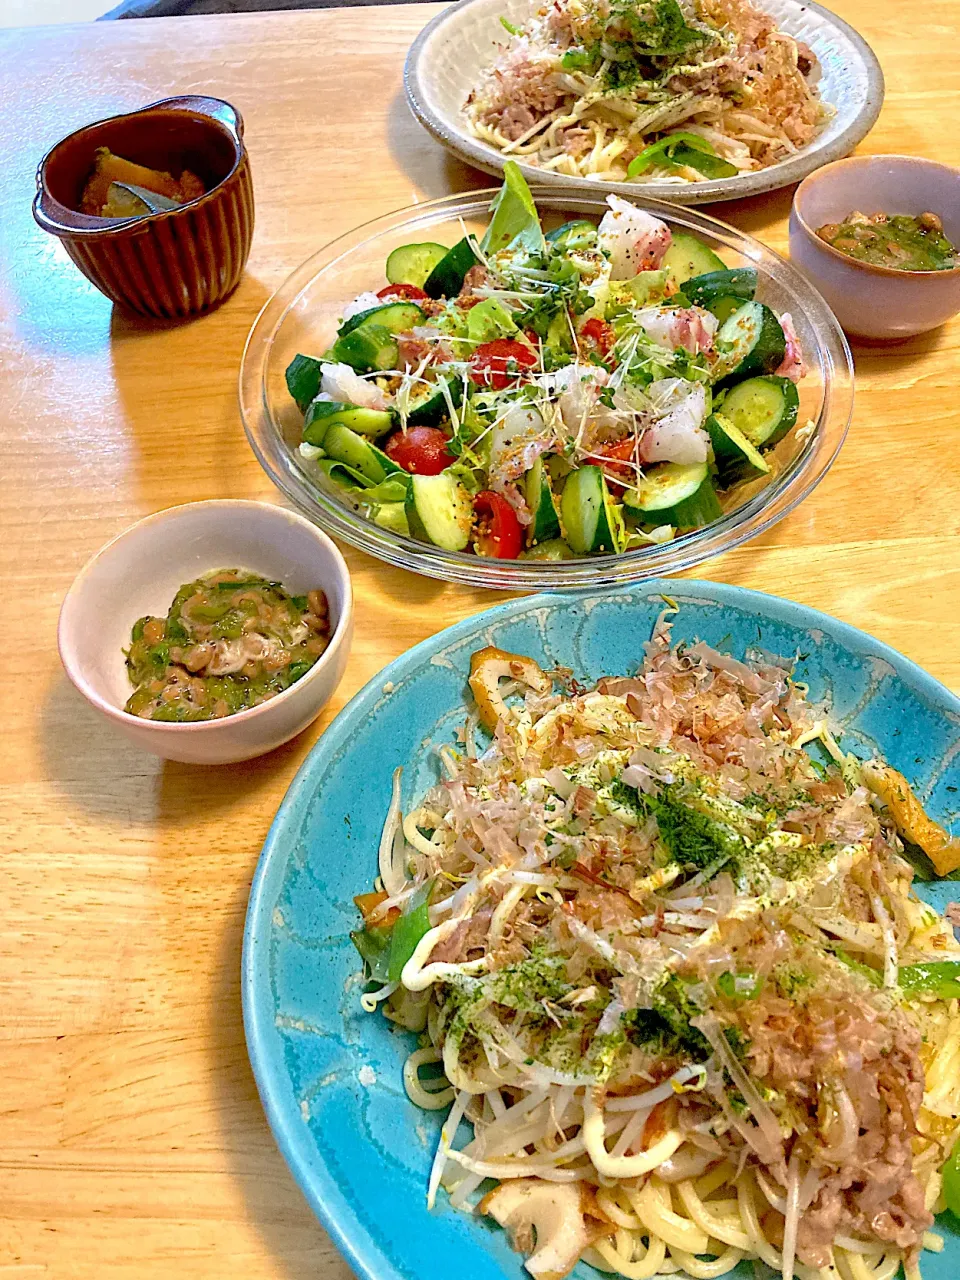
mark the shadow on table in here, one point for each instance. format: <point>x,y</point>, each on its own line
<point>756,214</point>
<point>274,1205</point>
<point>175,380</point>
<point>879,357</point>
<point>429,166</point>
<point>97,771</point>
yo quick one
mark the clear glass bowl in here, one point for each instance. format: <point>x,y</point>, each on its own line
<point>302,317</point>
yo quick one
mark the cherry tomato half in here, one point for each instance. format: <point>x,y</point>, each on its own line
<point>498,535</point>
<point>497,364</point>
<point>419,450</point>
<point>619,460</point>
<point>402,292</point>
<point>597,335</point>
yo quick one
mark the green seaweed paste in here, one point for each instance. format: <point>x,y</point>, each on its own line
<point>230,641</point>
<point>900,241</point>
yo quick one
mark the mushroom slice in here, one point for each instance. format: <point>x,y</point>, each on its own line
<point>488,667</point>
<point>908,813</point>
<point>544,1218</point>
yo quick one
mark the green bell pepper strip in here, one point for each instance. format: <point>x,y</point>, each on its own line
<point>940,978</point>
<point>864,970</point>
<point>951,1180</point>
<point>374,948</point>
<point>682,148</point>
<point>408,931</point>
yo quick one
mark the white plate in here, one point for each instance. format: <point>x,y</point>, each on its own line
<point>447,57</point>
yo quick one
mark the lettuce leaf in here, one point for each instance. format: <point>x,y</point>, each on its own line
<point>514,221</point>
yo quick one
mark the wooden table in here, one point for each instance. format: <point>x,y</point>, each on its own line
<point>132,1143</point>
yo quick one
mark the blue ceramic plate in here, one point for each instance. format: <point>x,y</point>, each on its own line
<point>329,1074</point>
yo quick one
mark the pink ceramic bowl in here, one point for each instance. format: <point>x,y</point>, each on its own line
<point>877,302</point>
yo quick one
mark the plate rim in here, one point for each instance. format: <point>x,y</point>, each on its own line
<point>304,1160</point>
<point>784,173</point>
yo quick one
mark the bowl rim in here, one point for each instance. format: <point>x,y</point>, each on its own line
<point>77,676</point>
<point>858,162</point>
<point>758,513</point>
<point>96,226</point>
<point>757,182</point>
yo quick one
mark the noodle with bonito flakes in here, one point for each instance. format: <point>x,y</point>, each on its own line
<point>660,946</point>
<point>649,90</point>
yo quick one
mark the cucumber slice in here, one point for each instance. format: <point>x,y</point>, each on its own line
<point>591,519</point>
<point>395,317</point>
<point>703,508</point>
<point>323,414</point>
<point>412,263</point>
<point>723,308</point>
<point>731,447</point>
<point>439,510</point>
<point>343,475</point>
<point>688,257</point>
<point>540,500</point>
<point>693,505</point>
<point>343,445</point>
<point>762,409</point>
<point>752,342</point>
<point>427,405</point>
<point>578,234</point>
<point>368,348</point>
<point>303,379</point>
<point>446,278</point>
<point>734,282</point>
<point>553,549</point>
<point>665,494</point>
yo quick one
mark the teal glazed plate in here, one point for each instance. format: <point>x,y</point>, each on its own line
<point>330,1074</point>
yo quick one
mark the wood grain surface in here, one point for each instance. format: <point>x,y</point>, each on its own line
<point>132,1143</point>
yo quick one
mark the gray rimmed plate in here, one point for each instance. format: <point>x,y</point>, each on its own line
<point>447,57</point>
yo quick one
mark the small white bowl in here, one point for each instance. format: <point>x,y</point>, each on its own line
<point>140,572</point>
<point>869,301</point>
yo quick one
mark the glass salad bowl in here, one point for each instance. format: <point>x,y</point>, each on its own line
<point>302,316</point>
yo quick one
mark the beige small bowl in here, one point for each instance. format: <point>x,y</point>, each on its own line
<point>877,302</point>
<point>140,571</point>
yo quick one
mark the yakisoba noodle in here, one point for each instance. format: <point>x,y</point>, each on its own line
<point>661,948</point>
<point>585,86</point>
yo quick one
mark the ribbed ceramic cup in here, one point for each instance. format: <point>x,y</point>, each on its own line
<point>173,264</point>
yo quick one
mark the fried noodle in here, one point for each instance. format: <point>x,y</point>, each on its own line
<point>662,978</point>
<point>585,85</point>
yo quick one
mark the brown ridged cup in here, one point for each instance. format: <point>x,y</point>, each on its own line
<point>172,264</point>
